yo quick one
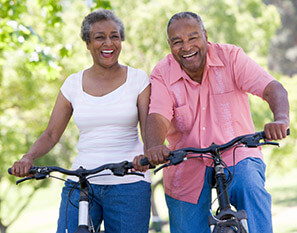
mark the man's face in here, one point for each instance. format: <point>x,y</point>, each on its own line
<point>188,44</point>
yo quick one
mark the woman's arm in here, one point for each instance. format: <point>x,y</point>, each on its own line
<point>59,119</point>
<point>143,106</point>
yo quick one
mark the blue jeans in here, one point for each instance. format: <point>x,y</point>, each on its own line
<point>124,208</point>
<point>245,192</point>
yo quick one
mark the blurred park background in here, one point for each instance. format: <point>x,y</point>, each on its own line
<point>40,46</point>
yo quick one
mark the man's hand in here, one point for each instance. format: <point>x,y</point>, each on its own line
<point>157,154</point>
<point>276,130</point>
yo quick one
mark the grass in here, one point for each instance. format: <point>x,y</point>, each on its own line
<point>41,215</point>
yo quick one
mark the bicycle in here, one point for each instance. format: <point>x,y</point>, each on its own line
<point>85,224</point>
<point>226,220</point>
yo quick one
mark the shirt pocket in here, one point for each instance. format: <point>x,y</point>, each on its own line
<point>183,118</point>
<point>225,112</point>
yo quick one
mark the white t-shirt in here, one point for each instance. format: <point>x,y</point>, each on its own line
<point>108,131</point>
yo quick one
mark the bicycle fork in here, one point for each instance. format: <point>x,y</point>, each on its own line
<point>226,213</point>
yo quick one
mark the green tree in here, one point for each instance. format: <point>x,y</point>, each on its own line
<point>36,55</point>
<point>283,48</point>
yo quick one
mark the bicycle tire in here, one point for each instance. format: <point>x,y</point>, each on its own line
<point>230,227</point>
<point>224,230</point>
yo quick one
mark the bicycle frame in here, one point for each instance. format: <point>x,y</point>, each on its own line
<point>226,220</point>
<point>226,213</point>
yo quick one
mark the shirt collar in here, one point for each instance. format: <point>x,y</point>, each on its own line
<point>176,72</point>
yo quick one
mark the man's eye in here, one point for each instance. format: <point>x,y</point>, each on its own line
<point>194,38</point>
<point>177,42</point>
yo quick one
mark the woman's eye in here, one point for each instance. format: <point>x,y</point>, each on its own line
<point>115,37</point>
<point>99,37</point>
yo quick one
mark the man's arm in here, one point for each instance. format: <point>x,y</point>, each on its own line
<point>277,98</point>
<point>157,127</point>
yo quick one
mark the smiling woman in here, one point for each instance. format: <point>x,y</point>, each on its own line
<point>107,101</point>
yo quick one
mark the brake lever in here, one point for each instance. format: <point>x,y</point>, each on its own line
<point>269,143</point>
<point>24,179</point>
<point>161,167</point>
<point>135,173</point>
<point>175,157</point>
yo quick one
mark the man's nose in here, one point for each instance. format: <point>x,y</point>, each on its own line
<point>186,46</point>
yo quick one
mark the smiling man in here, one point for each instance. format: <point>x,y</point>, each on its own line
<point>199,96</point>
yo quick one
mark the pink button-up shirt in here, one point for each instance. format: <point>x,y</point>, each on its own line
<point>217,110</point>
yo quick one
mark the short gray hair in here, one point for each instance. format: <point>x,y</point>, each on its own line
<point>188,15</point>
<point>97,16</point>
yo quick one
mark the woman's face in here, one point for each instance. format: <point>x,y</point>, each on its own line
<point>105,43</point>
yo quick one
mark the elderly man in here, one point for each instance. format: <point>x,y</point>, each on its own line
<point>199,96</point>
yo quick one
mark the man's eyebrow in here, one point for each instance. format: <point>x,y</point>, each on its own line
<point>193,33</point>
<point>190,34</point>
<point>175,38</point>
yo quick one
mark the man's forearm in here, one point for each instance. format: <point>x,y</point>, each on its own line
<point>277,98</point>
<point>156,130</point>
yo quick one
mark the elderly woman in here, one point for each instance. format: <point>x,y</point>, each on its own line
<point>107,101</point>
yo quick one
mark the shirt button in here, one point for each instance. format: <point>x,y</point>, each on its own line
<point>203,128</point>
<point>203,108</point>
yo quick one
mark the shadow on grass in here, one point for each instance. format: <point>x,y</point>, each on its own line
<point>284,196</point>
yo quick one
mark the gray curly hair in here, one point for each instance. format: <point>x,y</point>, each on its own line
<point>97,16</point>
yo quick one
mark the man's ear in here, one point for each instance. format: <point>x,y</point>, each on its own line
<point>205,33</point>
<point>87,45</point>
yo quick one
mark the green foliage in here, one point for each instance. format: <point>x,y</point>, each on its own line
<point>249,24</point>
<point>36,55</point>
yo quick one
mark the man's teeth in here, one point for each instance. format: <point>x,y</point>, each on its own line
<point>189,55</point>
<point>107,51</point>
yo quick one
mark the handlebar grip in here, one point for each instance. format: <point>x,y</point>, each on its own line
<point>144,161</point>
<point>32,170</point>
<point>288,132</point>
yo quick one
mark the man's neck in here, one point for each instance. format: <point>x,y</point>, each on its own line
<point>196,77</point>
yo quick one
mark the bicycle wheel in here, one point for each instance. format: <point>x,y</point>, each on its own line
<point>229,228</point>
<point>224,230</point>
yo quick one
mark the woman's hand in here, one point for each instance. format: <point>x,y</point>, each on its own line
<point>22,167</point>
<point>137,166</point>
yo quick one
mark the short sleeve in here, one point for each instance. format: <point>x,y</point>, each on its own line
<point>249,75</point>
<point>68,87</point>
<point>143,80</point>
<point>160,100</point>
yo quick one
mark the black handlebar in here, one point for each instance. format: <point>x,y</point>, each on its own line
<point>249,140</point>
<point>118,169</point>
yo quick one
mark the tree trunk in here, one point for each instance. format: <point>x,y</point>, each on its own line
<point>2,228</point>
